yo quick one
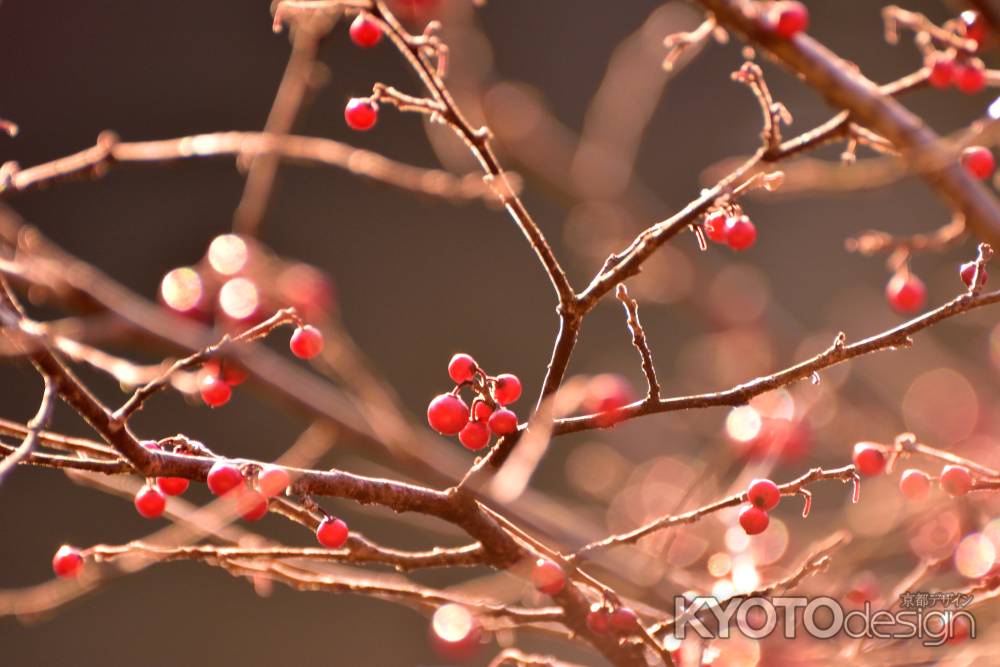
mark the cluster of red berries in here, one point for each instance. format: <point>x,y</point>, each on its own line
<point>955,480</point>
<point>786,18</point>
<point>731,227</point>
<point>621,621</point>
<point>978,161</point>
<point>907,293</point>
<point>966,74</point>
<point>362,113</point>
<point>219,377</point>
<point>448,414</point>
<point>763,496</point>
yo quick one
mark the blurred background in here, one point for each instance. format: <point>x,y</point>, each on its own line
<point>418,278</point>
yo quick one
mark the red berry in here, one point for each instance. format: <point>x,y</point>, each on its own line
<point>548,577</point>
<point>172,486</point>
<point>361,114</point>
<point>224,477</point>
<point>942,72</point>
<point>481,411</point>
<point>306,342</point>
<point>507,389</point>
<point>915,484</point>
<point>252,505</point>
<point>462,368</point>
<point>790,18</point>
<point>969,78</point>
<point>447,414</point>
<point>67,562</point>
<point>740,233</point>
<point>975,25</point>
<point>503,422</point>
<point>474,436</point>
<point>906,293</point>
<point>956,480</point>
<point>273,481</point>
<point>332,533</point>
<point>150,502</point>
<point>715,226</point>
<point>229,371</point>
<point>978,161</point>
<point>869,459</point>
<point>764,493</point>
<point>624,621</point>
<point>215,392</point>
<point>607,393</point>
<point>754,520</point>
<point>598,619</point>
<point>968,273</point>
<point>365,32</point>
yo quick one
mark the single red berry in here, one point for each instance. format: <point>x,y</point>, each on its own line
<point>507,389</point>
<point>365,32</point>
<point>503,422</point>
<point>481,411</point>
<point>956,480</point>
<point>67,562</point>
<point>968,273</point>
<point>598,619</point>
<point>447,414</point>
<point>914,484</point>
<point>975,25</point>
<point>224,477</point>
<point>548,577</point>
<point>150,502</point>
<point>978,161</point>
<point>252,505</point>
<point>332,533</point>
<point>624,621</point>
<point>606,394</point>
<point>361,114</point>
<point>764,493</point>
<point>152,445</point>
<point>474,436</point>
<point>462,368</point>
<point>215,392</point>
<point>869,459</point>
<point>969,78</point>
<point>754,520</point>
<point>790,18</point>
<point>942,72</point>
<point>172,486</point>
<point>306,342</point>
<point>740,233</point>
<point>906,293</point>
<point>715,226</point>
<point>229,371</point>
<point>273,481</point>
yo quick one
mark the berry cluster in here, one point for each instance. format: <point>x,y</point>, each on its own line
<point>953,69</point>
<point>621,621</point>
<point>955,480</point>
<point>361,113</point>
<point>763,496</point>
<point>448,414</point>
<point>786,18</point>
<point>907,293</point>
<point>731,227</point>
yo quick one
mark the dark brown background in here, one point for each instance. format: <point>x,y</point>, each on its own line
<point>417,278</point>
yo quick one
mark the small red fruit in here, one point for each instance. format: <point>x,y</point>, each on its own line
<point>914,484</point>
<point>224,477</point>
<point>447,414</point>
<point>67,562</point>
<point>251,504</point>
<point>474,436</point>
<point>956,480</point>
<point>503,422</point>
<point>869,459</point>
<point>942,72</point>
<point>365,32</point>
<point>306,342</point>
<point>968,273</point>
<point>273,481</point>
<point>332,533</point>
<point>975,25</point>
<point>598,619</point>
<point>764,493</point>
<point>481,411</point>
<point>150,502</point>
<point>215,392</point>
<point>507,389</point>
<point>607,393</point>
<point>462,368</point>
<point>715,226</point>
<point>754,520</point>
<point>624,621</point>
<point>740,233</point>
<point>229,371</point>
<point>361,114</point>
<point>172,486</point>
<point>906,293</point>
<point>790,18</point>
<point>548,577</point>
<point>978,161</point>
<point>969,78</point>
